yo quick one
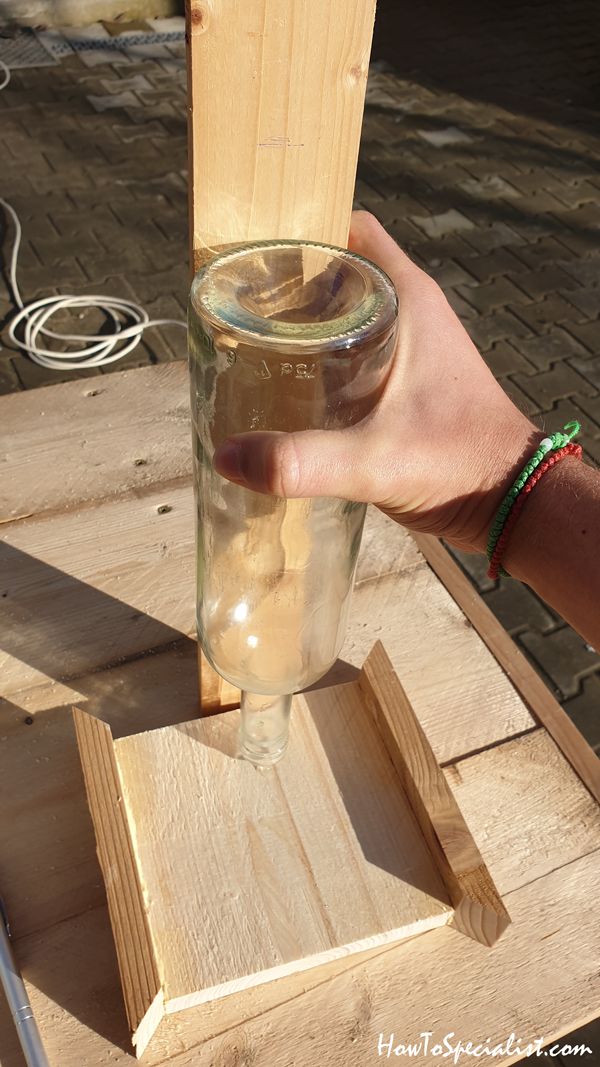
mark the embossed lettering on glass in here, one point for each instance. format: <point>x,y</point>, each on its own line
<point>285,336</point>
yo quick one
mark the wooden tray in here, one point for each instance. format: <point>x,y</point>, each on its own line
<point>222,876</point>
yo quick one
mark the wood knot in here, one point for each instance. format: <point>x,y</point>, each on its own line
<point>198,18</point>
<point>357,73</point>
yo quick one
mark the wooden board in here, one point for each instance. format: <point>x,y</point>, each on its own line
<point>541,979</point>
<point>331,852</point>
<point>124,432</point>
<point>478,910</point>
<point>142,988</point>
<point>78,602</point>
<point>276,96</point>
<point>534,822</point>
<point>545,707</point>
<point>529,779</point>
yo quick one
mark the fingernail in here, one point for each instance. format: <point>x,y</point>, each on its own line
<point>228,461</point>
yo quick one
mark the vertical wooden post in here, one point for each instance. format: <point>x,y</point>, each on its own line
<point>276,96</point>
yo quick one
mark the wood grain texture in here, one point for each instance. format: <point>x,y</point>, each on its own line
<point>479,911</point>
<point>524,803</point>
<point>461,696</point>
<point>140,979</point>
<point>540,980</point>
<point>320,857</point>
<point>536,695</point>
<point>276,97</point>
<point>95,586</point>
<point>124,432</point>
<point>528,779</point>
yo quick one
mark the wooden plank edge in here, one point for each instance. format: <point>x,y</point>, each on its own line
<point>361,949</point>
<point>216,694</point>
<point>478,908</point>
<point>536,695</point>
<point>138,968</point>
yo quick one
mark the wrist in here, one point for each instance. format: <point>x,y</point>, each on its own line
<point>506,451</point>
<point>549,507</point>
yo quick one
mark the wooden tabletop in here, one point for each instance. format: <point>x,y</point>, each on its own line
<point>97,607</point>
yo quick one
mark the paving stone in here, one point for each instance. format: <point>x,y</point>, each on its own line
<point>519,398</point>
<point>577,193</point>
<point>563,656</point>
<point>449,274</point>
<point>584,219</point>
<point>475,566</point>
<point>541,316</point>
<point>451,135</point>
<point>588,333</point>
<point>589,367</point>
<point>518,608</point>
<point>504,358</point>
<point>549,348</point>
<point>490,186</point>
<point>129,134</point>
<point>538,283</point>
<point>586,271</point>
<point>115,100</point>
<point>496,294</point>
<point>584,711</point>
<point>587,300</point>
<point>485,268</point>
<point>548,387</point>
<point>466,312</point>
<point>591,406</point>
<point>439,250</point>
<point>9,381</point>
<point>547,251</point>
<point>445,223</point>
<point>580,243</point>
<point>118,85</point>
<point>498,235</point>
<point>32,376</point>
<point>565,410</point>
<point>498,326</point>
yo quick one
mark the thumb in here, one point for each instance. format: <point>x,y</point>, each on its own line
<point>368,237</point>
<point>309,463</point>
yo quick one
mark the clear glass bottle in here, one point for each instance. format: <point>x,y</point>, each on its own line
<point>283,335</point>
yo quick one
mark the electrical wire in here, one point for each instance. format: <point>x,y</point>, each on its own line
<point>29,326</point>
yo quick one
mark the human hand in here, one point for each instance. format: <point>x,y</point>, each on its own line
<point>442,445</point>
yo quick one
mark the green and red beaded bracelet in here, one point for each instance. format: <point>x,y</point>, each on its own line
<point>549,452</point>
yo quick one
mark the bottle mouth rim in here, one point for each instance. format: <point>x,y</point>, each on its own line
<point>374,314</point>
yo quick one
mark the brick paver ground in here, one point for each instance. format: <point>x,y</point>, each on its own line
<point>479,153</point>
<point>480,157</point>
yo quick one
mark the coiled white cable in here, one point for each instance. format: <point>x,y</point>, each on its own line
<point>129,320</point>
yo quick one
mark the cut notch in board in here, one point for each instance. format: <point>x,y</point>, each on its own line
<point>354,841</point>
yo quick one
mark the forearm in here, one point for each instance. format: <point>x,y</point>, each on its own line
<point>555,545</point>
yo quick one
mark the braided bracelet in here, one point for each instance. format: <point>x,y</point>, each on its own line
<point>549,444</point>
<point>501,543</point>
